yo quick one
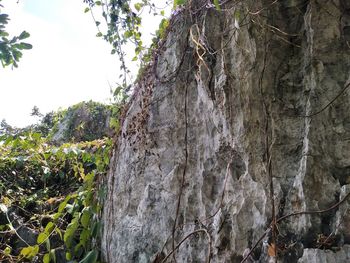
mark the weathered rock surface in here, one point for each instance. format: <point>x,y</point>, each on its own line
<point>235,97</point>
<point>319,256</point>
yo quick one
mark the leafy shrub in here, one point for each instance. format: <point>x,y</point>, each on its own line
<point>53,191</point>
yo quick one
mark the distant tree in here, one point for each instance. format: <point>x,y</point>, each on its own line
<point>5,128</point>
<point>10,47</point>
<point>36,112</point>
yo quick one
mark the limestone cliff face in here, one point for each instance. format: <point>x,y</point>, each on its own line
<point>244,109</point>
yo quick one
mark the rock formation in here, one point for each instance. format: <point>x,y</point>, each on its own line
<point>85,121</point>
<point>242,119</point>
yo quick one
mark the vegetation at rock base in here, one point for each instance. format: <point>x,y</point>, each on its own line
<point>50,196</point>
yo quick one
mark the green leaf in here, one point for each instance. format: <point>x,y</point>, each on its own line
<point>217,5</point>
<point>30,252</point>
<point>86,10</point>
<point>7,250</point>
<point>24,35</point>
<point>23,45</point>
<point>3,34</point>
<point>85,236</point>
<point>4,18</point>
<point>46,258</point>
<point>68,256</point>
<point>49,227</point>
<point>128,34</point>
<point>138,6</point>
<point>48,244</point>
<point>99,34</point>
<point>79,250</point>
<point>59,232</point>
<point>98,3</point>
<point>70,232</point>
<point>91,257</point>
<point>62,205</point>
<point>85,218</point>
<point>41,238</point>
<point>53,255</point>
<point>96,229</point>
<point>178,2</point>
<point>89,178</point>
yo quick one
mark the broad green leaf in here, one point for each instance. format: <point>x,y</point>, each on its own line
<point>128,34</point>
<point>59,232</point>
<point>89,178</point>
<point>46,258</point>
<point>48,244</point>
<point>30,252</point>
<point>4,34</point>
<point>85,236</point>
<point>49,227</point>
<point>85,218</point>
<point>41,238</point>
<point>96,229</point>
<point>70,232</point>
<point>138,6</point>
<point>217,5</point>
<point>25,46</point>
<point>24,35</point>
<point>68,256</point>
<point>79,250</point>
<point>62,205</point>
<point>4,18</point>
<point>178,2</point>
<point>53,255</point>
<point>86,10</point>
<point>7,251</point>
<point>90,257</point>
<point>237,16</point>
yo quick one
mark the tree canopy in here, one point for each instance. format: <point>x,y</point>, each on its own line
<point>11,47</point>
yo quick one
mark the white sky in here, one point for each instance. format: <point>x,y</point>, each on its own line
<point>67,64</point>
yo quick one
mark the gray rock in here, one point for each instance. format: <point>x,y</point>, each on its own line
<point>169,183</point>
<point>325,256</point>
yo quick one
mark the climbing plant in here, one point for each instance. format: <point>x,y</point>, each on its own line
<point>53,193</point>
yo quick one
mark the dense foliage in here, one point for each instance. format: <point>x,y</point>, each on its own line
<point>51,193</point>
<point>50,199</point>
